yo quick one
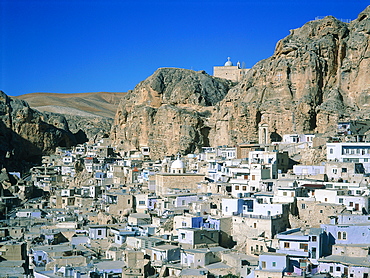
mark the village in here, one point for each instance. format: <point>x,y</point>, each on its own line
<point>228,211</point>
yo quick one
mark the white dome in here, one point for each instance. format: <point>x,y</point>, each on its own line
<point>177,164</point>
<point>228,63</point>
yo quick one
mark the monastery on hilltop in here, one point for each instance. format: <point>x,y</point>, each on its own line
<point>229,71</point>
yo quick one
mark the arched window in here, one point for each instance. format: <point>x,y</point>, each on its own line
<point>339,235</point>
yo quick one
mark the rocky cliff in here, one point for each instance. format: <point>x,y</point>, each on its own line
<point>26,134</point>
<point>169,111</point>
<point>317,75</point>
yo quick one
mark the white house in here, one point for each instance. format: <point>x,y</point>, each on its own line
<point>165,253</point>
<point>357,152</point>
<point>352,201</point>
<point>232,206</point>
<point>302,244</point>
<point>98,232</point>
<point>29,213</point>
<point>271,265</point>
<point>253,206</point>
<point>120,235</point>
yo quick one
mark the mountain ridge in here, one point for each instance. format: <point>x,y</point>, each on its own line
<point>319,74</point>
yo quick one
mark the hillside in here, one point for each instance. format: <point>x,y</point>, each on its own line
<point>82,104</point>
<point>27,134</point>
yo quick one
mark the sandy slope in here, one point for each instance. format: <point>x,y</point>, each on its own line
<point>86,104</point>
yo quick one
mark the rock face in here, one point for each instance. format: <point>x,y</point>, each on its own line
<point>169,111</point>
<point>26,134</point>
<point>319,74</point>
<point>88,128</point>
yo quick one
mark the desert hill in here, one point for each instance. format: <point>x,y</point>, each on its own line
<point>83,104</point>
<point>90,115</point>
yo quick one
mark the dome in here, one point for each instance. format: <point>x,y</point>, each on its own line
<point>228,63</point>
<point>177,164</point>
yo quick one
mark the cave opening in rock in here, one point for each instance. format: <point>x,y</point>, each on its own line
<point>205,136</point>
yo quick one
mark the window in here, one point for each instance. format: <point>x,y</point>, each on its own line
<point>313,253</point>
<point>182,235</point>
<point>344,170</point>
<point>183,202</point>
<point>303,246</point>
<point>320,210</point>
<point>273,264</point>
<point>244,188</point>
<point>285,193</point>
<point>183,224</point>
<point>331,269</point>
<point>255,225</point>
<point>351,204</point>
<point>99,232</point>
<point>334,171</point>
<point>339,235</point>
<point>253,177</point>
<point>263,264</point>
<point>236,187</point>
<point>141,202</point>
<point>340,200</point>
<point>337,268</point>
<point>286,245</point>
<point>331,151</point>
<point>314,238</point>
<point>303,206</point>
<point>344,235</point>
<point>128,201</point>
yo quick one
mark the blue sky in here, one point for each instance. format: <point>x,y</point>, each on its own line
<point>77,46</point>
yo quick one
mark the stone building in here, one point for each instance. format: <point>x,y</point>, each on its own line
<point>229,71</point>
<point>177,179</point>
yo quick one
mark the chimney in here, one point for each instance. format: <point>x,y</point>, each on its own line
<point>55,269</point>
